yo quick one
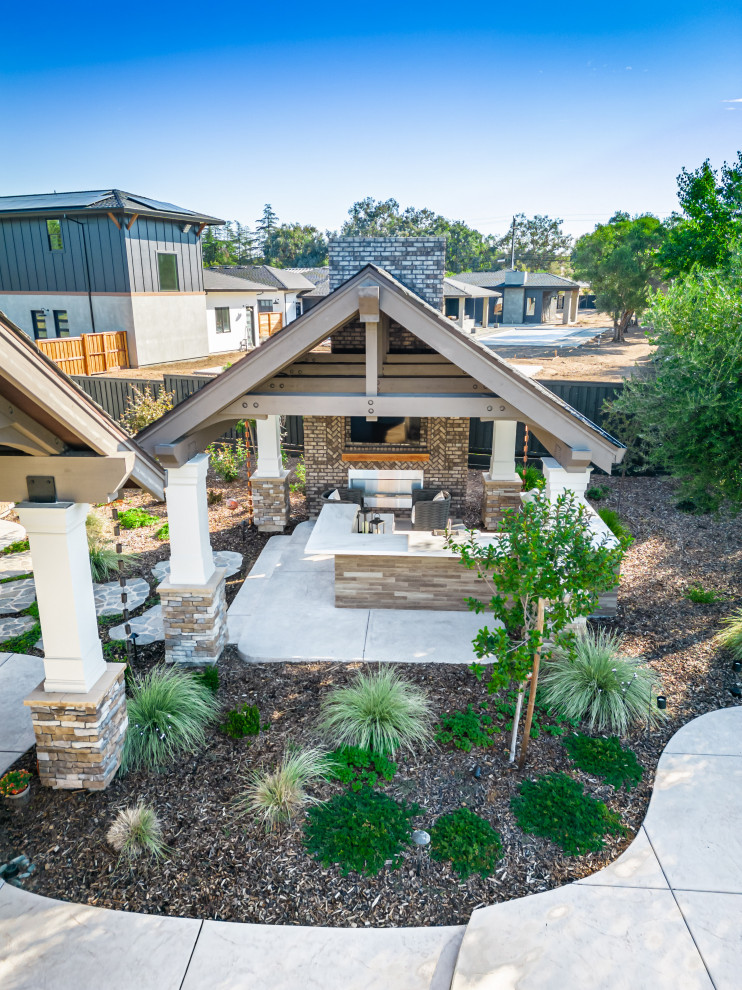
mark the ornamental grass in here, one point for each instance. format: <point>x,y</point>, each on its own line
<point>280,795</point>
<point>169,711</point>
<point>136,832</point>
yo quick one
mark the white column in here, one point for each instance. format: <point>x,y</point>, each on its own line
<point>270,464</point>
<point>574,306</point>
<point>462,311</point>
<point>502,462</point>
<point>565,311</point>
<point>559,480</point>
<point>73,659</point>
<point>191,559</point>
<point>485,311</point>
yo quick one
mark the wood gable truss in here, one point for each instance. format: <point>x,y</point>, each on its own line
<point>51,430</point>
<point>456,377</point>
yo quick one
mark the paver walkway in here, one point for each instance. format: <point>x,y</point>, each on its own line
<point>285,581</point>
<point>10,532</point>
<point>667,915</point>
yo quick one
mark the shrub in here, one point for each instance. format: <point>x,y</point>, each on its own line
<point>163,533</point>
<point>14,782</point>
<point>209,677</point>
<point>20,546</point>
<point>241,722</point>
<point>168,713</point>
<point>214,497</point>
<point>227,459</point>
<point>730,638</point>
<point>614,524</point>
<point>605,758</point>
<point>104,561</point>
<point>378,711</point>
<point>702,596</point>
<point>136,518</point>
<point>466,729</point>
<point>136,831</point>
<point>531,477</point>
<point>598,492</point>
<point>300,474</point>
<point>278,796</point>
<point>143,408</point>
<point>556,807</point>
<point>359,767</point>
<point>359,831</point>
<point>468,841</point>
<point>595,682</point>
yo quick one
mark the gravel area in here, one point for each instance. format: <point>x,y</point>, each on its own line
<point>225,868</point>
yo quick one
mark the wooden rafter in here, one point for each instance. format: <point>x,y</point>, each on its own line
<point>130,223</point>
<point>113,219</point>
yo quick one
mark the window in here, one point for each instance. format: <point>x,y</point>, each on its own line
<point>222,319</point>
<point>530,305</point>
<point>38,321</point>
<point>168,268</point>
<point>298,308</point>
<point>61,323</point>
<point>265,305</point>
<point>560,301</point>
<point>54,234</point>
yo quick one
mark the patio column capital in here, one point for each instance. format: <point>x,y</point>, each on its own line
<point>559,480</point>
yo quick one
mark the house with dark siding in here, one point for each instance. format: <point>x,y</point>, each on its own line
<point>85,262</point>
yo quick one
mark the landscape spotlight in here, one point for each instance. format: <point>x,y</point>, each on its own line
<point>661,702</point>
<point>421,839</point>
<point>737,666</point>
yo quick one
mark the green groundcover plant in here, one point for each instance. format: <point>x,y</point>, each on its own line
<point>209,677</point>
<point>241,722</point>
<point>379,711</point>
<point>468,841</point>
<point>699,595</point>
<point>556,807</point>
<point>18,547</point>
<point>605,758</point>
<point>136,518</point>
<point>25,642</point>
<point>466,729</point>
<point>359,767</point>
<point>359,830</point>
<point>169,711</point>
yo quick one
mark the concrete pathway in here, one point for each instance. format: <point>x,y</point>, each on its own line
<point>19,675</point>
<point>539,335</point>
<point>10,532</point>
<point>285,610</point>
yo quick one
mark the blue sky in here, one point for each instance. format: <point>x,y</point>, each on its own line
<point>476,112</point>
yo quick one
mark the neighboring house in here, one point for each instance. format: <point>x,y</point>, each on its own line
<point>320,278</point>
<point>529,297</point>
<point>84,262</point>
<point>470,306</point>
<point>281,293</point>
<point>233,308</point>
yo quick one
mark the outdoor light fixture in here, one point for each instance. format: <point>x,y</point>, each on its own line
<point>737,666</point>
<point>735,690</point>
<point>477,771</point>
<point>421,838</point>
<point>661,702</point>
<point>134,637</point>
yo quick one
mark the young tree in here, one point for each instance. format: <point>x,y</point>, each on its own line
<point>619,260</point>
<point>293,245</point>
<point>540,245</point>
<point>686,405</point>
<point>543,557</point>
<point>267,222</point>
<point>710,226</point>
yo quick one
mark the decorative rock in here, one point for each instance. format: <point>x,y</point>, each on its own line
<point>232,504</point>
<point>16,596</point>
<point>147,626</point>
<point>108,596</point>
<point>230,560</point>
<point>15,564</point>
<point>10,532</point>
<point>15,625</point>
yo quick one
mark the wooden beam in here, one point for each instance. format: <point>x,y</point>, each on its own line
<point>570,458</point>
<point>311,384</point>
<point>372,358</point>
<point>19,430</point>
<point>113,219</point>
<point>131,222</point>
<point>77,479</point>
<point>368,304</point>
<point>311,404</point>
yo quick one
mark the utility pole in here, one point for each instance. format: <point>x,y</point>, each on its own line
<point>512,249</point>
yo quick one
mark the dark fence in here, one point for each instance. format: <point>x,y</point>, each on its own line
<point>586,397</point>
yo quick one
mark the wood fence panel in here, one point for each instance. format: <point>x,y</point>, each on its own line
<point>268,324</point>
<point>88,354</point>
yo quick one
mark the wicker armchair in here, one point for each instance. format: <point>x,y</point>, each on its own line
<point>353,495</point>
<point>430,514</point>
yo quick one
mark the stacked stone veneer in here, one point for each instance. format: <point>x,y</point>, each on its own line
<point>194,619</point>
<point>271,504</point>
<point>351,339</point>
<point>417,262</point>
<point>325,441</point>
<point>434,583</point>
<point>499,495</point>
<point>79,738</point>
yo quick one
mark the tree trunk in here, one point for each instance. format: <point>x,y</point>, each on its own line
<point>532,692</point>
<point>619,326</point>
<point>516,719</point>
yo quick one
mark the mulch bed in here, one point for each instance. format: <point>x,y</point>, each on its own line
<point>226,868</point>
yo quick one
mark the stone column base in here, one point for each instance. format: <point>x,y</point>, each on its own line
<point>499,495</point>
<point>79,737</point>
<point>195,620</point>
<point>270,499</point>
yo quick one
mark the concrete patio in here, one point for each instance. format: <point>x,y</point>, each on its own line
<point>285,611</point>
<point>666,915</point>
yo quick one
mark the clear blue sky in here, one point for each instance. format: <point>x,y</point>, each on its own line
<point>475,110</point>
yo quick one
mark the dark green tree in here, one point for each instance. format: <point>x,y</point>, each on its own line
<point>540,244</point>
<point>710,225</point>
<point>293,245</point>
<point>685,407</point>
<point>618,259</point>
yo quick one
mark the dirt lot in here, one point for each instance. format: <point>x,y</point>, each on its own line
<point>222,867</point>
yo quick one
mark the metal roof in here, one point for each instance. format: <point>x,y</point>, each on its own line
<point>216,280</point>
<point>536,280</point>
<point>97,199</point>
